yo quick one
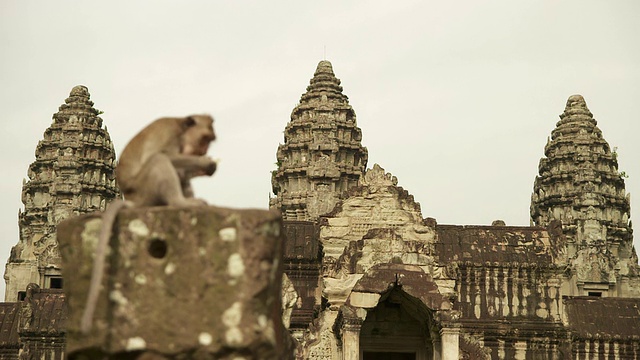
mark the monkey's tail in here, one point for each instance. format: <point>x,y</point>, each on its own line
<point>108,220</point>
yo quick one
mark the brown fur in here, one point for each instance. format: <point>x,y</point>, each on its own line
<point>155,169</point>
<point>156,166</point>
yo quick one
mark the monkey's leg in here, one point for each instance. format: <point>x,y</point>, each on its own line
<point>159,183</point>
<point>185,183</point>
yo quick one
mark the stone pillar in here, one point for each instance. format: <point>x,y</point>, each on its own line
<point>437,349</point>
<point>351,339</point>
<point>450,339</point>
<point>179,282</point>
<point>520,350</point>
<point>17,276</point>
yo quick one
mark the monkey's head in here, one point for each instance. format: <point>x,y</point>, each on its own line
<point>198,134</point>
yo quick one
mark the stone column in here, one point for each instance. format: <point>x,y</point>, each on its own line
<point>450,339</point>
<point>437,349</point>
<point>521,350</point>
<point>351,339</point>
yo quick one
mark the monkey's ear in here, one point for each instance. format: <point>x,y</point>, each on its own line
<point>188,122</point>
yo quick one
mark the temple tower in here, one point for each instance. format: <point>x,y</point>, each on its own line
<point>580,185</point>
<point>73,174</point>
<point>322,155</point>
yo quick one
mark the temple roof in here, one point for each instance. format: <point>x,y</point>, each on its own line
<point>42,313</point>
<point>496,245</point>
<point>9,313</point>
<point>595,317</point>
<point>49,311</point>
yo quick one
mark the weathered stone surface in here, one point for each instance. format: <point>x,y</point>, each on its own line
<point>73,174</point>
<point>34,328</point>
<point>200,282</point>
<point>410,278</point>
<point>579,184</point>
<point>377,203</point>
<point>597,317</point>
<point>397,308</point>
<point>377,252</point>
<point>302,265</point>
<point>42,320</point>
<point>322,155</point>
<point>498,245</point>
<point>289,300</point>
<point>508,288</point>
<point>609,327</point>
<point>579,178</point>
<point>9,339</point>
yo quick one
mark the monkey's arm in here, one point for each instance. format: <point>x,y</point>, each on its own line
<point>193,165</point>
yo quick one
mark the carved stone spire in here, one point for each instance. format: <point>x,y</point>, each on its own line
<point>322,155</point>
<point>73,174</point>
<point>579,184</point>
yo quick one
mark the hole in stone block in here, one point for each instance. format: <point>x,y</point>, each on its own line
<point>595,293</point>
<point>158,248</point>
<point>22,295</point>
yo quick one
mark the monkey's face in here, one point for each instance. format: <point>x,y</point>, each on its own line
<point>197,136</point>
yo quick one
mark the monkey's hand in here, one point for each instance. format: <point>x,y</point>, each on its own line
<point>210,166</point>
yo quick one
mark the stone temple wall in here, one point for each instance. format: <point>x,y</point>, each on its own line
<point>502,288</point>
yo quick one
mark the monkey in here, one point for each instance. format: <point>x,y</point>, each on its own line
<point>155,169</point>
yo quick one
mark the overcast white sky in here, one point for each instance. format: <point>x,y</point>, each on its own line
<point>454,98</point>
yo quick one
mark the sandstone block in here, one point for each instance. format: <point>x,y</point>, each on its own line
<point>179,283</point>
<point>364,300</point>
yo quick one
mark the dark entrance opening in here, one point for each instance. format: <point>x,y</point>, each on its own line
<point>370,355</point>
<point>55,282</point>
<point>397,329</point>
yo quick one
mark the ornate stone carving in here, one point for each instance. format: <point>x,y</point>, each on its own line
<point>73,174</point>
<point>322,155</point>
<point>580,185</point>
<point>384,214</point>
<point>376,178</point>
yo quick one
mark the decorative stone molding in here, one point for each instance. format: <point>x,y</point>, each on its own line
<point>384,217</point>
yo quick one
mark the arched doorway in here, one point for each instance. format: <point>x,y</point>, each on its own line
<point>395,311</point>
<point>403,314</point>
<point>398,328</point>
